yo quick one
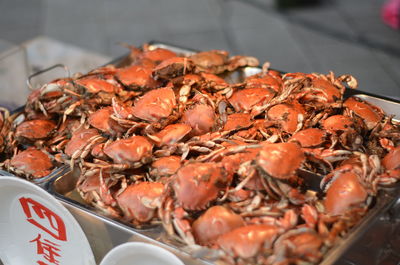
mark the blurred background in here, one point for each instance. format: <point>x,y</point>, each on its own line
<point>308,36</point>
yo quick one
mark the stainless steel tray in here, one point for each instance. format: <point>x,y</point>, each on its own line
<point>104,233</point>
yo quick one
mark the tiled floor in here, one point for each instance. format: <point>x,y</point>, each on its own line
<point>339,35</point>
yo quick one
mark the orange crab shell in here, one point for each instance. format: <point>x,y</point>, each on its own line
<point>167,165</point>
<point>35,129</point>
<point>237,121</point>
<point>216,221</point>
<point>32,162</point>
<point>210,60</point>
<point>69,126</point>
<point>155,104</point>
<point>287,116</point>
<point>201,118</point>
<point>310,137</point>
<point>131,200</point>
<point>248,241</point>
<point>129,150</point>
<point>101,120</point>
<point>158,55</point>
<point>95,85</point>
<point>91,183</point>
<point>172,134</point>
<point>344,192</point>
<point>44,94</point>
<point>304,243</point>
<point>98,151</point>
<point>392,160</point>
<point>337,123</point>
<point>188,79</point>
<point>307,243</point>
<point>79,139</point>
<point>280,160</point>
<point>173,67</point>
<point>197,184</point>
<point>246,99</point>
<point>231,164</point>
<point>265,81</point>
<point>329,91</point>
<point>371,114</point>
<point>213,79</point>
<point>137,76</point>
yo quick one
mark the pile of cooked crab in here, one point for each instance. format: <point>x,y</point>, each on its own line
<point>172,140</point>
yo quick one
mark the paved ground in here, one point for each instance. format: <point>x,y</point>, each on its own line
<point>339,35</point>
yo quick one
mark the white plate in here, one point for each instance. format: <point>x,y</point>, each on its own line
<point>138,253</point>
<point>36,229</point>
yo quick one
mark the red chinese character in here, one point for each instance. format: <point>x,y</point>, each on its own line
<point>44,218</point>
<point>46,248</point>
<point>41,263</point>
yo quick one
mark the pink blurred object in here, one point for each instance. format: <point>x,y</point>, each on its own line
<point>391,13</point>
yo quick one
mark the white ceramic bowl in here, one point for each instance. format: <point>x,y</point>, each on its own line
<point>138,253</point>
